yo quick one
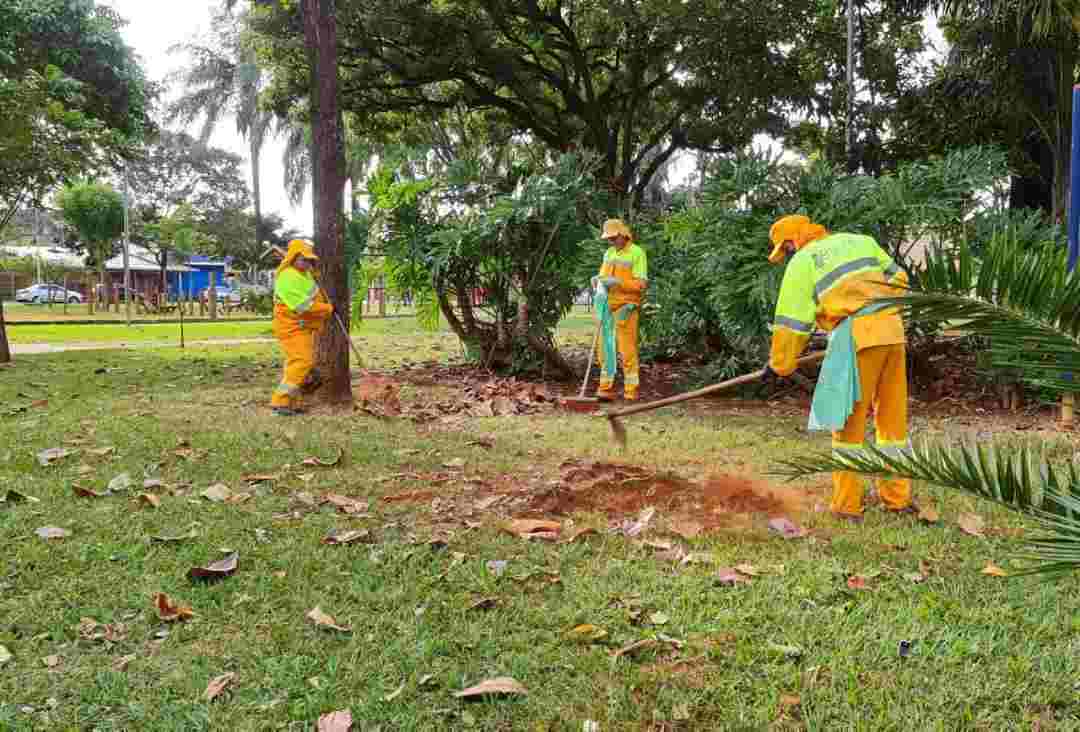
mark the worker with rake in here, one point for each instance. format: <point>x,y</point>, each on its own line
<point>624,275</point>
<point>300,312</point>
<point>832,281</point>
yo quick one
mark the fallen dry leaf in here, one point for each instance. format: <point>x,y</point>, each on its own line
<point>152,483</point>
<point>664,546</point>
<point>170,610</point>
<point>485,603</point>
<point>52,532</point>
<point>971,524</point>
<point>346,504</point>
<point>258,478</point>
<point>14,496</point>
<point>237,498</point>
<point>323,620</point>
<point>929,515</point>
<point>218,493</point>
<point>580,534</point>
<point>786,528</point>
<point>633,648</point>
<point>150,500</point>
<point>993,570</point>
<point>317,462</point>
<point>101,451</point>
<point>217,685</point>
<point>169,539</point>
<point>5,656</point>
<point>50,456</point>
<point>455,464</point>
<point>216,570</point>
<point>857,582</point>
<point>503,685</point>
<point>84,492</point>
<point>586,633</point>
<point>730,576</point>
<point>748,569</point>
<point>52,661</point>
<point>535,529</point>
<point>123,662</point>
<point>347,537</point>
<point>39,403</point>
<point>335,722</point>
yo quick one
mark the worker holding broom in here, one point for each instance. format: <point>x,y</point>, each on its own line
<point>300,311</point>
<point>832,281</point>
<point>624,275</point>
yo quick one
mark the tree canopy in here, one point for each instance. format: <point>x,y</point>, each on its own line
<point>631,82</point>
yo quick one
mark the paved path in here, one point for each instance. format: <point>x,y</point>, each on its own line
<point>25,349</point>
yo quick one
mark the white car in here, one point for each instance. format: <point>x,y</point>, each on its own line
<point>43,293</point>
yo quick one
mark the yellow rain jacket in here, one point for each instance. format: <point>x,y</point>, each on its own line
<point>827,280</point>
<point>630,268</point>
<point>300,311</point>
<point>830,277</point>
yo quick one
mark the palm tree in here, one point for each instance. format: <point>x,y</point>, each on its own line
<point>225,79</point>
<point>1028,305</point>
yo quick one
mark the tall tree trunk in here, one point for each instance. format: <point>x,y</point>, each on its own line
<point>163,262</point>
<point>256,188</point>
<point>328,184</point>
<point>5,351</point>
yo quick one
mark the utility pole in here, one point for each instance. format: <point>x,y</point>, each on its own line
<point>127,263</point>
<point>852,163</point>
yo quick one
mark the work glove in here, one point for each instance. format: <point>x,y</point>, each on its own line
<point>625,311</point>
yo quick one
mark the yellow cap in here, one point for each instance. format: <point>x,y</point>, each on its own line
<point>615,227</point>
<point>795,228</point>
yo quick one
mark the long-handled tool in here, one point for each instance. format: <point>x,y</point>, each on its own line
<point>582,403</point>
<point>619,430</point>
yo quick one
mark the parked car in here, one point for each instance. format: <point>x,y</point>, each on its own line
<point>43,293</point>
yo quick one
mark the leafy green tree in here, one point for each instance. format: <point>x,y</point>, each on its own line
<point>174,170</point>
<point>632,83</point>
<point>96,212</point>
<point>72,99</point>
<point>225,79</point>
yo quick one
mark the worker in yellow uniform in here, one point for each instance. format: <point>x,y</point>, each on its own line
<point>624,275</point>
<point>832,280</point>
<point>300,311</point>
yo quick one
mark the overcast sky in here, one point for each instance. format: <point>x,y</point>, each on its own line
<point>154,26</point>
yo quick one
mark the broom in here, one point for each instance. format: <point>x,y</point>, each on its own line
<point>619,431</point>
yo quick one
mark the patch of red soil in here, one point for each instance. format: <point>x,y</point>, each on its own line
<point>624,490</point>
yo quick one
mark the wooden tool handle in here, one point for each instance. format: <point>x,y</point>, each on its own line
<point>722,386</point>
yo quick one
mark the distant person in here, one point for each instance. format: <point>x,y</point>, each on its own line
<point>831,281</point>
<point>300,311</point>
<point>624,276</point>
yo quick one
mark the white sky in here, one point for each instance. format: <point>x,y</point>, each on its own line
<point>154,26</point>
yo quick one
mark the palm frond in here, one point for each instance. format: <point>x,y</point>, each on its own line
<point>1023,300</point>
<point>1021,479</point>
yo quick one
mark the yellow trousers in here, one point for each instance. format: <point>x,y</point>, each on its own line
<point>883,382</point>
<point>299,348</point>
<point>626,342</point>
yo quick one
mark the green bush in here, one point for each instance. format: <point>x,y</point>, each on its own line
<point>712,289</point>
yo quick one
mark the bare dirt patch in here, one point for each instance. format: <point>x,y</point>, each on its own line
<point>619,491</point>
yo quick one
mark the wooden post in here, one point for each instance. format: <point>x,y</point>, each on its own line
<point>91,294</point>
<point>1068,403</point>
<point>65,292</point>
<point>212,295</point>
<point>116,298</point>
<point>382,297</point>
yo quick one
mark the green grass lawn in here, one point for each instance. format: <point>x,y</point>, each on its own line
<point>795,647</point>
<point>169,333</point>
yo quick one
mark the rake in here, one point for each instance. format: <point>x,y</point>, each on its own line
<point>619,430</point>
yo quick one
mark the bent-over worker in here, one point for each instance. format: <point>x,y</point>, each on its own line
<point>624,274</point>
<point>831,278</point>
<point>300,311</point>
